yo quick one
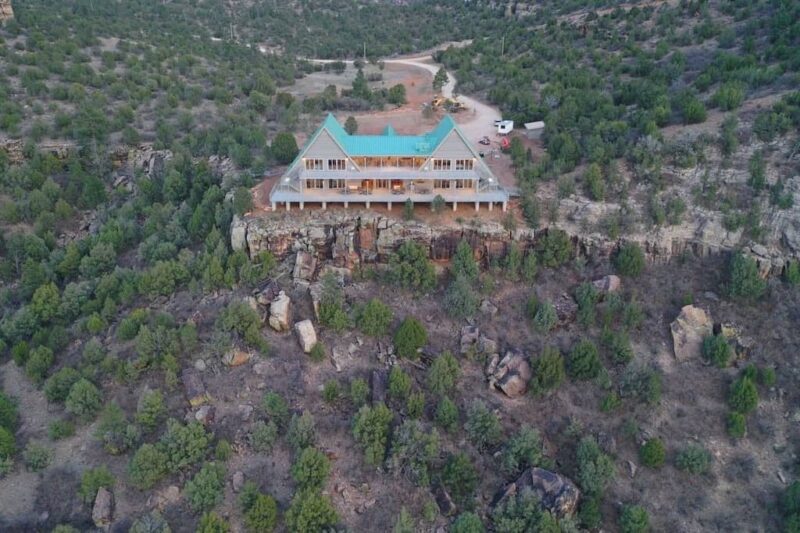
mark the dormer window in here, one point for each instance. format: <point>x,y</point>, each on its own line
<point>313,164</point>
<point>464,164</point>
<point>441,164</point>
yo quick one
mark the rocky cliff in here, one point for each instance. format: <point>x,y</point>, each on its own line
<point>6,11</point>
<point>362,236</point>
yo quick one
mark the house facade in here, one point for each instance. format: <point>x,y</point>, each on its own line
<point>335,167</point>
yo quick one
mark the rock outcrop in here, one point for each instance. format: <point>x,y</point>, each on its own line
<point>280,312</point>
<point>556,493</point>
<point>510,374</point>
<point>103,510</point>
<point>6,11</point>
<point>688,331</point>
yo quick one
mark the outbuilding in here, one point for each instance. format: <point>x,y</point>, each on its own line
<point>534,130</point>
<point>504,127</point>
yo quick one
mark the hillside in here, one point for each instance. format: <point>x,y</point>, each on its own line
<point>618,352</point>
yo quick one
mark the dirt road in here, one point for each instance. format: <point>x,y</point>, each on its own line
<point>475,122</point>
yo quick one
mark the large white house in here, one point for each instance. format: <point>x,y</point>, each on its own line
<point>336,167</point>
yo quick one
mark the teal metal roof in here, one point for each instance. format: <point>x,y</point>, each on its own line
<point>389,142</point>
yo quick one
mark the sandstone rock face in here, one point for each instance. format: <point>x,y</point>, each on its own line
<point>194,388</point>
<point>362,236</point>
<point>165,497</point>
<point>510,374</point>
<point>103,510</point>
<point>305,265</point>
<point>279,312</point>
<point>688,331</point>
<point>556,493</point>
<point>306,335</point>
<point>6,11</point>
<point>238,233</point>
<point>607,284</point>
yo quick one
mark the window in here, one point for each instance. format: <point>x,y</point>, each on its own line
<point>441,164</point>
<point>464,164</point>
<point>381,184</point>
<point>337,164</point>
<point>313,164</point>
<point>336,184</point>
<point>315,184</point>
<point>462,184</point>
<point>441,184</point>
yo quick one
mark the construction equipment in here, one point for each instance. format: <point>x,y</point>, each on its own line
<point>485,141</point>
<point>449,104</point>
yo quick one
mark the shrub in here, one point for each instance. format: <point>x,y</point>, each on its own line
<point>359,392</point>
<point>523,450</point>
<point>310,512</point>
<point>263,436</point>
<point>744,281</point>
<point>148,465</point>
<point>415,451</point>
<point>584,361</point>
<point>595,469</point>
<point>399,384</point>
<point>84,400</point>
<point>694,459</point>
<point>482,426</point>
<point>60,429</point>
<point>37,457</point>
<point>150,410</point>
<point>792,273</point>
<point>302,431</point>
<point>204,490</point>
<point>523,512</point>
<point>150,523</point>
<point>415,405</point>
<point>184,445</point>
<point>8,444</point>
<point>467,522</point>
<point>548,371</point>
<point>641,382</point>
<point>262,514</point>
<point>371,431</point>
<point>212,523</point>
<point>276,408</point>
<point>460,299</point>
<point>743,395</point>
<point>447,415</point>
<point>284,148</point>
<point>634,519</point>
<point>717,350</point>
<point>331,304</point>
<point>91,481</point>
<point>442,374</point>
<point>317,353</point>
<point>736,425</point>
<point>586,295</point>
<point>404,522</point>
<point>619,346</point>
<point>310,470</point>
<point>241,319</point>
<point>589,514</point>
<point>460,477</point>
<point>410,268</point>
<point>789,502</point>
<point>530,267</point>
<point>410,337</point>
<point>39,362</point>
<point>9,412</point>
<point>113,429</point>
<point>330,391</point>
<point>223,450</point>
<point>463,262</point>
<point>629,260</point>
<point>374,318</point>
<point>652,453</point>
<point>554,248</point>
<point>545,317</point>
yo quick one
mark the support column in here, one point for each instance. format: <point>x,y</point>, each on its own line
<point>388,206</point>
<point>288,206</point>
<point>505,206</point>
<point>477,206</point>
<point>368,204</point>
<point>491,204</point>
<point>274,206</point>
<point>455,206</point>
<point>346,205</point>
<point>302,205</point>
<point>324,206</point>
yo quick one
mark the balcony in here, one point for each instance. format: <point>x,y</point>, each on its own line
<point>399,173</point>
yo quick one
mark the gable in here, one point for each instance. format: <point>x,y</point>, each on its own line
<point>453,147</point>
<point>323,147</point>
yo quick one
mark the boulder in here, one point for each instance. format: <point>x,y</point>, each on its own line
<point>306,335</point>
<point>280,312</point>
<point>607,284</point>
<point>315,292</point>
<point>379,382</point>
<point>164,497</point>
<point>238,234</point>
<point>103,510</point>
<point>194,388</point>
<point>566,308</point>
<point>236,357</point>
<point>510,374</point>
<point>556,493</point>
<point>688,331</point>
<point>237,481</point>
<point>488,308</point>
<point>469,338</point>
<point>268,292</point>
<point>444,501</point>
<point>205,414</point>
<point>305,264</point>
